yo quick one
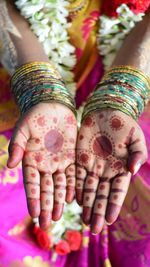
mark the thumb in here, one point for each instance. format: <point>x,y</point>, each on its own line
<point>137,155</point>
<point>17,146</point>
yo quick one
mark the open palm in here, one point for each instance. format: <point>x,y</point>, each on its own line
<point>111,146</point>
<point>45,139</point>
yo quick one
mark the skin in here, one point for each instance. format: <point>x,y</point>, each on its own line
<point>106,156</point>
<point>110,147</point>
<point>44,140</point>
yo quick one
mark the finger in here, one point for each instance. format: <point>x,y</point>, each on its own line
<point>81,174</point>
<point>46,196</point>
<point>100,205</point>
<point>17,146</point>
<point>70,176</point>
<point>59,194</point>
<point>89,193</point>
<point>137,155</point>
<point>32,188</point>
<point>118,192</point>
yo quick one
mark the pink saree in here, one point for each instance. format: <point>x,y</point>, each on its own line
<point>124,244</point>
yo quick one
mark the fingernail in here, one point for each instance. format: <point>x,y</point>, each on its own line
<point>93,234</point>
<point>108,223</point>
<point>136,168</point>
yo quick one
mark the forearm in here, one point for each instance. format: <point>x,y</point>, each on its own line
<point>135,50</point>
<point>27,46</point>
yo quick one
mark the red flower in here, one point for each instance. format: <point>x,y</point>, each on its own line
<point>43,239</point>
<point>62,248</point>
<point>137,6</point>
<point>74,239</point>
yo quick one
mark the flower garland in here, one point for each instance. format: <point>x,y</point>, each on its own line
<point>63,236</point>
<point>113,31</point>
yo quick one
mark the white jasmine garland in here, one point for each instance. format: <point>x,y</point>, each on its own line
<point>112,32</point>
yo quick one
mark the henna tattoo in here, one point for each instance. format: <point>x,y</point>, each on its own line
<point>88,122</point>
<point>69,119</point>
<point>129,137</point>
<point>41,121</point>
<point>118,165</point>
<point>116,123</point>
<point>38,157</point>
<point>53,141</point>
<point>84,158</point>
<point>102,146</point>
<point>55,120</point>
<point>81,137</point>
<point>72,141</point>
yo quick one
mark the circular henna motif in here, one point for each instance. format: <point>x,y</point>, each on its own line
<point>81,137</point>
<point>38,157</point>
<point>90,181</point>
<point>88,121</point>
<point>33,190</point>
<point>53,141</point>
<point>118,180</point>
<point>118,165</point>
<point>72,141</point>
<point>59,179</point>
<point>115,197</point>
<point>70,120</point>
<point>47,201</point>
<point>102,187</point>
<point>102,146</point>
<point>48,182</point>
<point>99,205</point>
<point>60,195</point>
<point>55,120</point>
<point>84,158</point>
<point>120,145</point>
<point>37,141</point>
<point>56,159</point>
<point>41,121</point>
<point>116,123</point>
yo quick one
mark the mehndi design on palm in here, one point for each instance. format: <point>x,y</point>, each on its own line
<point>110,147</point>
<point>45,139</point>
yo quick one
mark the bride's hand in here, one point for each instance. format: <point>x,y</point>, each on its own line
<point>111,146</point>
<point>44,140</point>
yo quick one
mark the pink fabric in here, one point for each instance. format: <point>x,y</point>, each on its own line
<point>125,244</point>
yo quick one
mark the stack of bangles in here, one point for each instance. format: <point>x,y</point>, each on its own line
<point>38,82</point>
<point>124,88</point>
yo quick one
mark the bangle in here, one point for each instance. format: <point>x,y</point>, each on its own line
<point>123,88</point>
<point>38,82</point>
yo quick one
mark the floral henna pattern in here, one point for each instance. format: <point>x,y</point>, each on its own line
<point>110,146</point>
<point>48,154</point>
<point>116,123</point>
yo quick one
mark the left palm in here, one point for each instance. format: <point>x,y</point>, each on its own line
<point>110,147</point>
